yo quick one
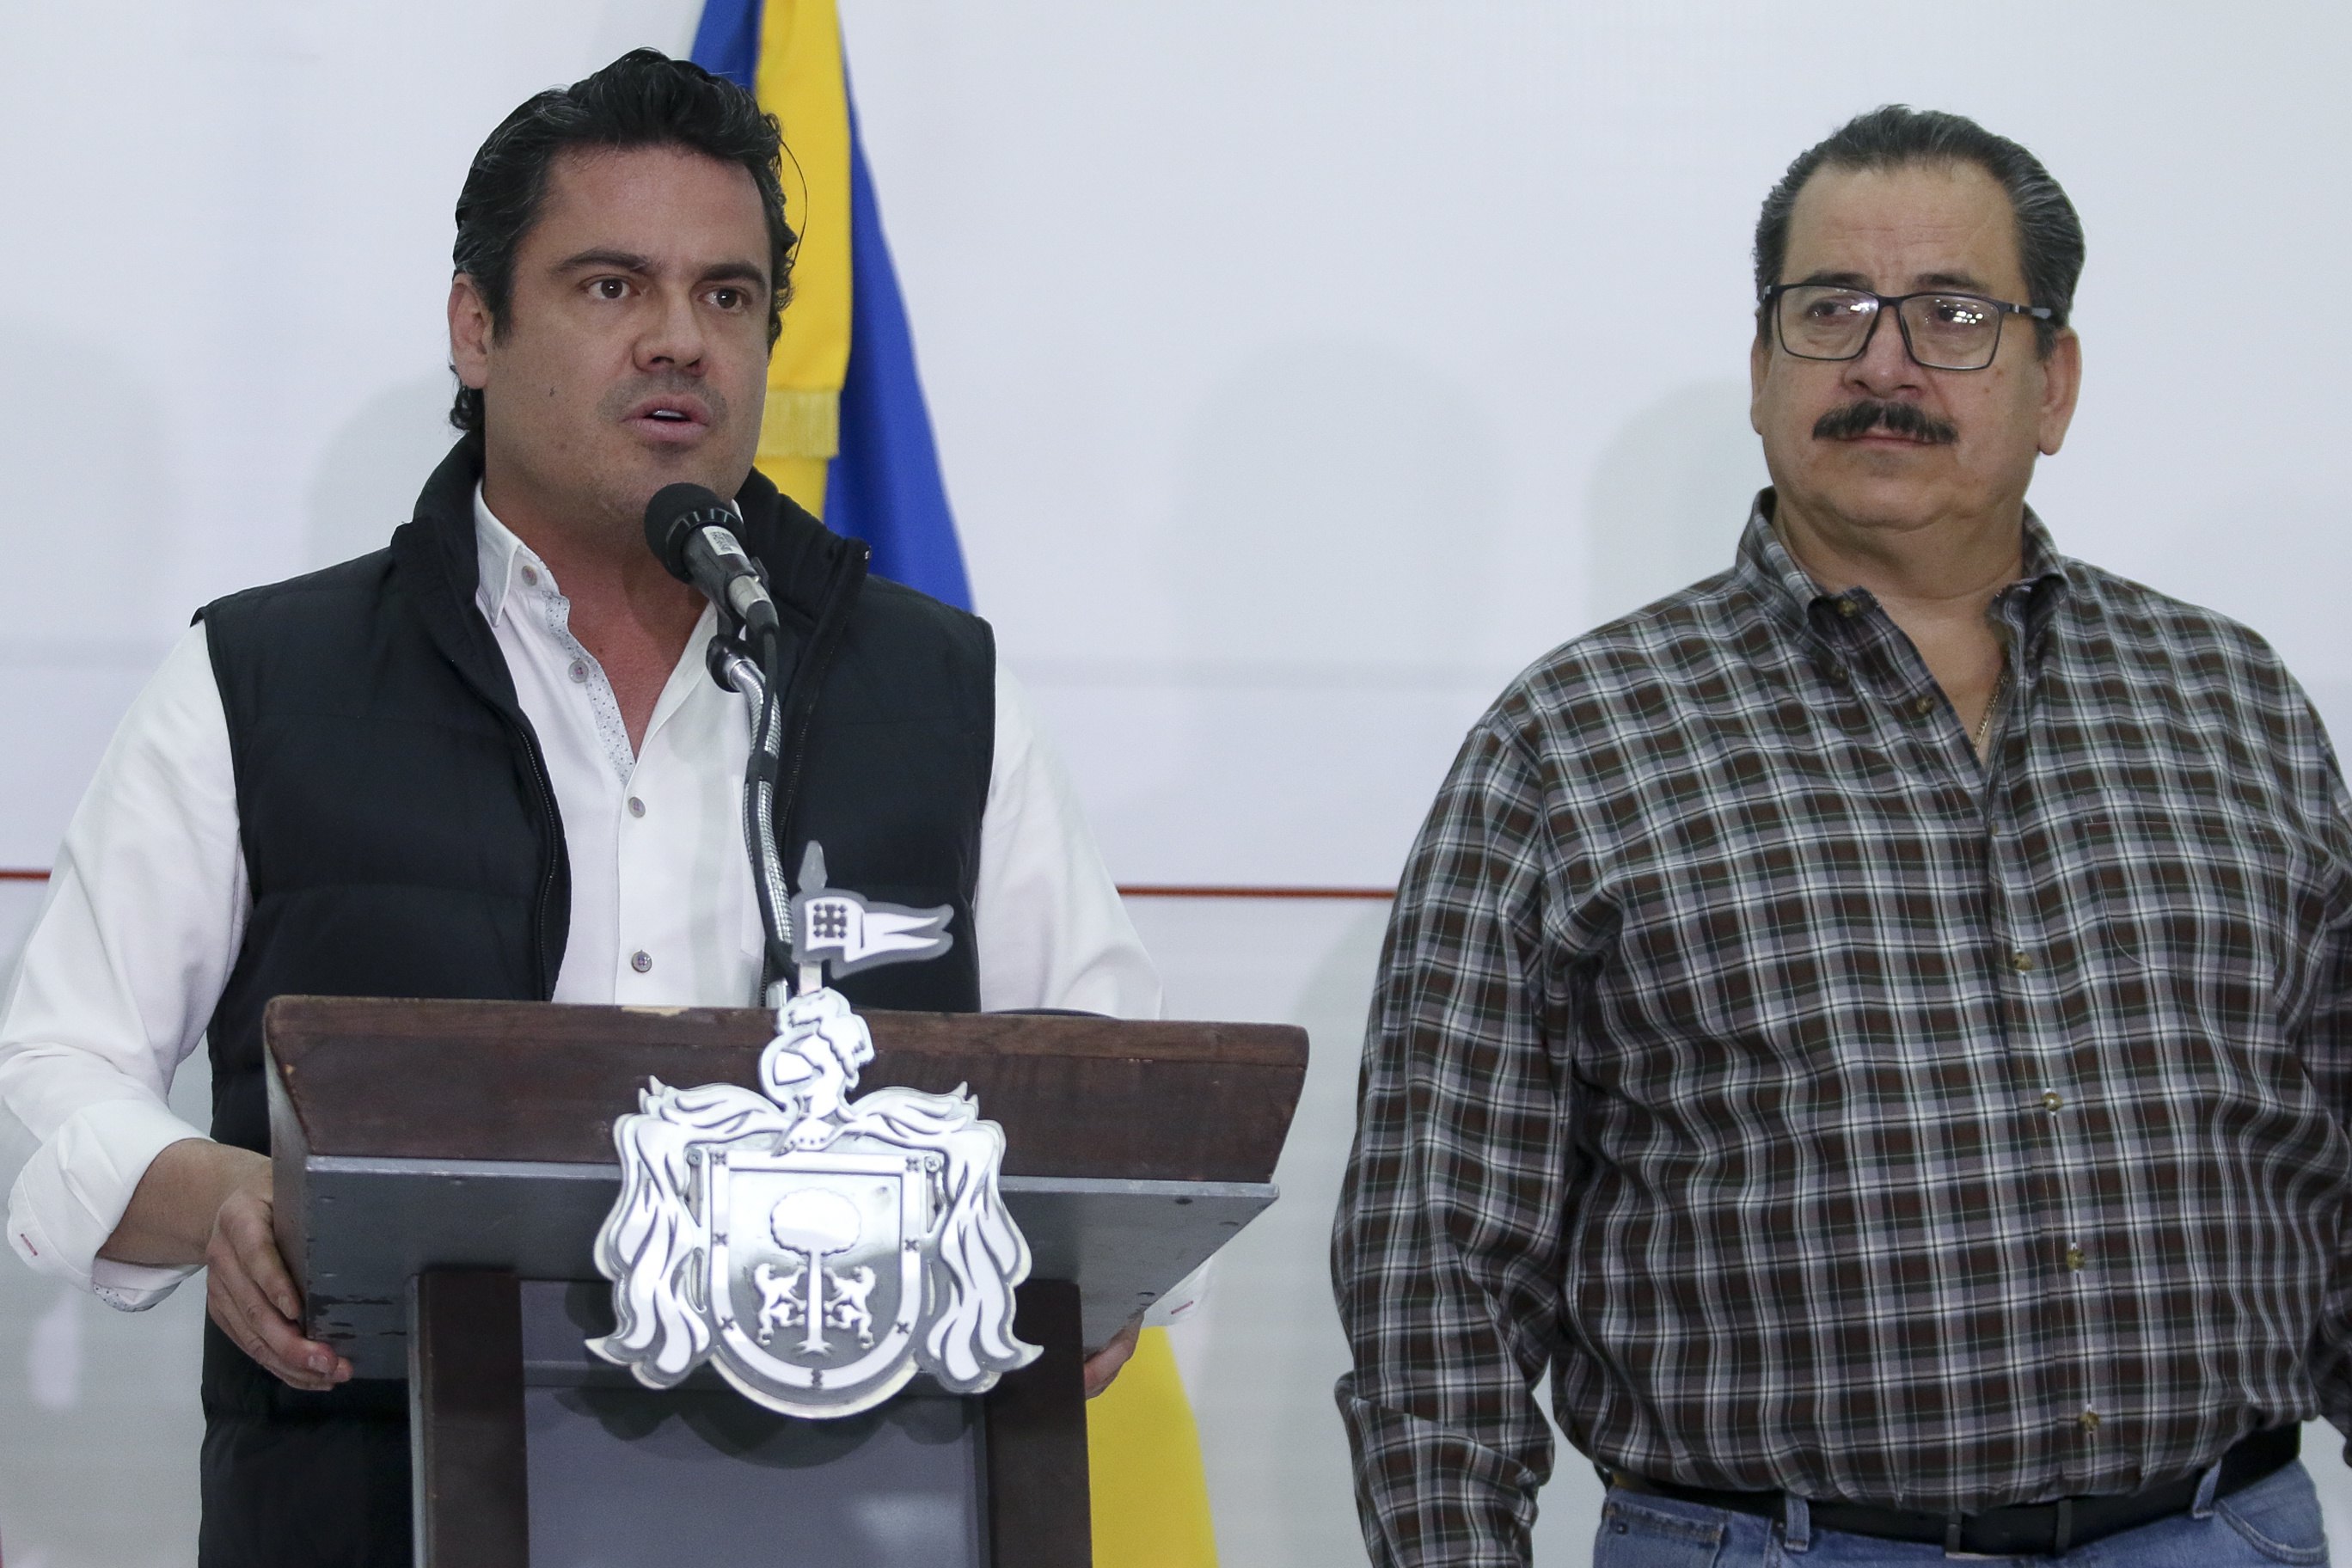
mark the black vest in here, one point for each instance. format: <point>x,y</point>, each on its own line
<point>401,838</point>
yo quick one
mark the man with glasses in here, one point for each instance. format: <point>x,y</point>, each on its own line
<point>1873,1025</point>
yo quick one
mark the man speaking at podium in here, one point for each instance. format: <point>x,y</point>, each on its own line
<point>488,761</point>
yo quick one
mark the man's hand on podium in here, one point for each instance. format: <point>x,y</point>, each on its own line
<point>202,1202</point>
<point>1104,1364</point>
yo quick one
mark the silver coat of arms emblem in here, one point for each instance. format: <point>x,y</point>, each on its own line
<point>818,1250</point>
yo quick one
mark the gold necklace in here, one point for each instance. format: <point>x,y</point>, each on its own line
<point>1992,705</point>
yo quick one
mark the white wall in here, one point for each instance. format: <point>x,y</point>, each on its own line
<point>1301,372</point>
<point>1304,370</point>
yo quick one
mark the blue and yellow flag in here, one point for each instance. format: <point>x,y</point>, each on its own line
<point>849,435</point>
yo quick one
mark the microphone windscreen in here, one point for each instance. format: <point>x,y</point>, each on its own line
<point>676,512</point>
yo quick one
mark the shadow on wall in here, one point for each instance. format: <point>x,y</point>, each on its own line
<point>1261,1358</point>
<point>99,1425</point>
<point>1669,496</point>
<point>2274,557</point>
<point>1338,508</point>
<point>84,435</point>
<point>374,464</point>
<point>1327,598</point>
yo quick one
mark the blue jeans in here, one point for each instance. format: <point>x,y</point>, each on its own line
<point>2276,1520</point>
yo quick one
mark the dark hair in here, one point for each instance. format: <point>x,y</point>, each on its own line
<point>644,99</point>
<point>2049,233</point>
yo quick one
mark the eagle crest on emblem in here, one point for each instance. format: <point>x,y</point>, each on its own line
<point>818,1250</point>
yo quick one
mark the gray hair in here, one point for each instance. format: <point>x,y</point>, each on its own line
<point>2049,233</point>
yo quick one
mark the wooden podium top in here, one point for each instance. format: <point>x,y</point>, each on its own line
<point>1076,1095</point>
<point>409,1136</point>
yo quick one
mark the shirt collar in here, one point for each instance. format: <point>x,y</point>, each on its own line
<point>501,557</point>
<point>1773,573</point>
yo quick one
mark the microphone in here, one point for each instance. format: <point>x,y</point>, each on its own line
<point>692,533</point>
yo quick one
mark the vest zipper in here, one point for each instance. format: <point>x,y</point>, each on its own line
<point>550,819</point>
<point>801,697</point>
<point>465,640</point>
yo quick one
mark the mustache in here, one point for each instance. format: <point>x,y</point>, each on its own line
<point>1899,418</point>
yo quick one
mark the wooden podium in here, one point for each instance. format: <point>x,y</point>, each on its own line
<point>442,1169</point>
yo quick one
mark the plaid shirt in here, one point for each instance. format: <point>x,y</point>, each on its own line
<point>1836,1114</point>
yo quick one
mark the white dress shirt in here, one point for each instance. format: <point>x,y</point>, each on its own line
<point>148,901</point>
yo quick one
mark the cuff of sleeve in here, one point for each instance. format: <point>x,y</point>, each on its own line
<point>1183,1301</point>
<point>1429,1493</point>
<point>72,1194</point>
<point>133,1286</point>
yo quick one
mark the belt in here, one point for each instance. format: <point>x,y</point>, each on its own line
<point>2025,1530</point>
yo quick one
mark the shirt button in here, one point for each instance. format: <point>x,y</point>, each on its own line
<point>2050,1101</point>
<point>530,576</point>
<point>636,806</point>
<point>2088,1421</point>
<point>1848,607</point>
<point>579,669</point>
<point>641,961</point>
<point>2074,1258</point>
<point>1924,706</point>
<point>2022,961</point>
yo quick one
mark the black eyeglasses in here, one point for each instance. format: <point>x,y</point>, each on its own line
<point>1941,332</point>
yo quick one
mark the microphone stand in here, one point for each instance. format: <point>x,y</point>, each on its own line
<point>733,668</point>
